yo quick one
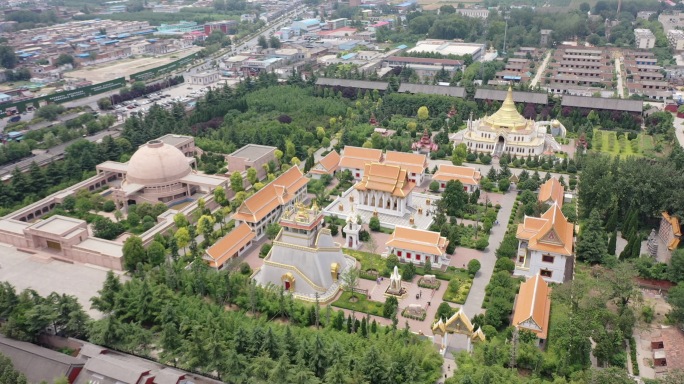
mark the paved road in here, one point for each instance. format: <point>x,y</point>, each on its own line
<point>679,130</point>
<point>618,70</point>
<point>540,70</point>
<point>484,169</point>
<point>473,304</point>
<point>56,153</point>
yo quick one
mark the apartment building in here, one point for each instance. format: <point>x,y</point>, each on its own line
<point>579,71</point>
<point>676,39</point>
<point>644,76</point>
<point>644,38</point>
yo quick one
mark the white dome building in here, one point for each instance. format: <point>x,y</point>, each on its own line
<point>157,163</point>
<point>507,131</point>
<point>157,173</point>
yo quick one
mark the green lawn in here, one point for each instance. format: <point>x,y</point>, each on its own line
<point>458,289</point>
<point>374,262</point>
<point>607,142</point>
<point>361,305</point>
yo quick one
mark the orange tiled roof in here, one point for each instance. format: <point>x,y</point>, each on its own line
<point>533,303</point>
<point>466,175</point>
<point>229,245</point>
<point>385,178</point>
<point>357,158</point>
<point>551,191</point>
<point>674,222</point>
<point>412,162</point>
<point>279,192</point>
<point>549,233</point>
<point>328,164</point>
<point>418,240</point>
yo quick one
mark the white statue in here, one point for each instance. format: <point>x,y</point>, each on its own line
<point>395,282</point>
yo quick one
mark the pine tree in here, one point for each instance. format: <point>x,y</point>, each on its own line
<point>612,242</point>
<point>636,247</point>
<point>611,225</point>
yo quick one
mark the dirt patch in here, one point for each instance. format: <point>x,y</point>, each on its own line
<point>126,67</point>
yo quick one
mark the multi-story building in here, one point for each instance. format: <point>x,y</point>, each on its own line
<point>251,156</point>
<point>644,76</point>
<point>479,13</point>
<point>676,39</point>
<point>545,246</point>
<point>225,26</point>
<point>644,38</point>
<point>265,206</point>
<point>384,189</point>
<point>306,26</point>
<point>574,68</point>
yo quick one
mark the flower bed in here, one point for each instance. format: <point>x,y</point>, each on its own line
<point>405,313</point>
<point>436,285</point>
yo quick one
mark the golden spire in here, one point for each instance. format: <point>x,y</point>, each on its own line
<point>507,116</point>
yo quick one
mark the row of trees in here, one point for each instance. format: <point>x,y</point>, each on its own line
<point>26,314</point>
<point>142,315</point>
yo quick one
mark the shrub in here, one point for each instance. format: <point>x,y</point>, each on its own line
<point>108,206</point>
<point>264,250</point>
<point>444,311</point>
<point>473,266</point>
<point>481,244</point>
<point>408,272</point>
<point>364,235</point>
<point>374,224</point>
<point>391,305</point>
<point>245,269</point>
<point>504,264</point>
<point>434,186</point>
<point>647,313</point>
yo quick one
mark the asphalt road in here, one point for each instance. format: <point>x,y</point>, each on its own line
<point>55,153</point>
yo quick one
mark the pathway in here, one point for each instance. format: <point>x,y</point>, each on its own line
<point>618,70</point>
<point>484,169</point>
<point>473,304</point>
<point>540,70</point>
<point>679,129</point>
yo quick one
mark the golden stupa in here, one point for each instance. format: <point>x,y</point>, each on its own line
<point>507,117</point>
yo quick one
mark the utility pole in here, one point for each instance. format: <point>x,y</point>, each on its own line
<point>514,348</point>
<point>505,33</point>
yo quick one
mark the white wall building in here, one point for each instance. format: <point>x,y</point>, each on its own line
<point>417,246</point>
<point>644,38</point>
<point>545,247</point>
<point>676,39</point>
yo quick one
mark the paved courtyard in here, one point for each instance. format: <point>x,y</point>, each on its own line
<point>46,275</point>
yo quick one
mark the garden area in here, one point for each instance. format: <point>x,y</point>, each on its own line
<point>623,144</point>
<point>374,266</point>
<point>359,303</point>
<point>459,288</point>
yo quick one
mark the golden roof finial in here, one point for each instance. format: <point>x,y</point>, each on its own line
<point>507,116</point>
